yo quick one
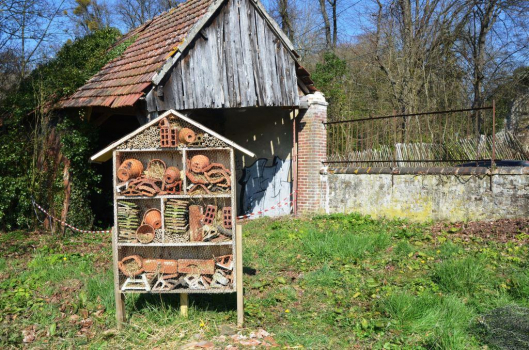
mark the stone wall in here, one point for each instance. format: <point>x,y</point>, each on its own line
<point>503,193</point>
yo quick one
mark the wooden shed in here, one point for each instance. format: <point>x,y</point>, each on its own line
<point>227,65</point>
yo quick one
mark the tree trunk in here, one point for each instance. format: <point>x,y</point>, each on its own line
<point>67,193</point>
<point>334,24</point>
<point>327,24</point>
<point>286,18</point>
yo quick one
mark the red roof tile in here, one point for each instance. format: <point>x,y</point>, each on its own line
<point>122,81</point>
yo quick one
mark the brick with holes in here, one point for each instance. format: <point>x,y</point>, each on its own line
<point>226,218</point>
<point>209,217</point>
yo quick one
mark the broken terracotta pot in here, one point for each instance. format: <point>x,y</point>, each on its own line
<point>130,169</point>
<point>161,266</point>
<point>199,163</point>
<point>134,265</point>
<point>196,266</point>
<point>187,135</point>
<point>145,234</point>
<point>131,265</point>
<point>153,217</point>
<point>172,174</point>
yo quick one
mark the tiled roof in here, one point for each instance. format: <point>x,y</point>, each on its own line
<point>122,81</point>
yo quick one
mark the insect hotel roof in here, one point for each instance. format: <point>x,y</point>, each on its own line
<point>106,154</point>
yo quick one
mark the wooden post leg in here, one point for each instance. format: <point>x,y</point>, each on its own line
<point>239,272</point>
<point>120,297</point>
<point>184,304</point>
<point>120,309</point>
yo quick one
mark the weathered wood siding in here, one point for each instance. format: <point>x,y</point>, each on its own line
<point>237,62</point>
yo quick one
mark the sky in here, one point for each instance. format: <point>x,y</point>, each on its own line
<point>353,18</point>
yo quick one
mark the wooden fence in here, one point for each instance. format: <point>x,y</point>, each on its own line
<point>438,138</point>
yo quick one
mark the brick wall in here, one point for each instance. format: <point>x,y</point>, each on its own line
<point>312,145</point>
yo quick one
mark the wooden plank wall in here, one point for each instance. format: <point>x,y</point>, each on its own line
<point>237,62</point>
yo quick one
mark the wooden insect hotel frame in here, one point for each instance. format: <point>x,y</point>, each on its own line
<point>175,228</point>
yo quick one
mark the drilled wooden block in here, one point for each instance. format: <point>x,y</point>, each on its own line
<point>211,211</point>
<point>196,266</point>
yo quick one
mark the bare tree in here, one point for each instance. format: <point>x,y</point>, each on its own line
<point>25,25</point>
<point>412,40</point>
<point>286,15</point>
<point>494,38</point>
<point>136,12</point>
<point>91,15</point>
<point>326,24</point>
<point>166,5</point>
<point>331,40</point>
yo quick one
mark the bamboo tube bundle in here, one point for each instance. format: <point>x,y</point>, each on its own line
<point>210,141</point>
<point>128,221</point>
<point>158,234</point>
<point>148,139</point>
<point>176,221</point>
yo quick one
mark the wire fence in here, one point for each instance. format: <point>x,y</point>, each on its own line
<point>438,138</point>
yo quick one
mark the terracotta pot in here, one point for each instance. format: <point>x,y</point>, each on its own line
<point>130,169</point>
<point>172,174</point>
<point>131,265</point>
<point>198,163</point>
<point>187,135</point>
<point>161,266</point>
<point>145,234</point>
<point>153,217</point>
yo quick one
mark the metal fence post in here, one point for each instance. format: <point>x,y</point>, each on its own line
<point>394,139</point>
<point>492,164</point>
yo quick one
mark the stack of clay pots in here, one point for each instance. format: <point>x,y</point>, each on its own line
<point>152,220</point>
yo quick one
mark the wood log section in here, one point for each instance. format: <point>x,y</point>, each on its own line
<point>195,225</point>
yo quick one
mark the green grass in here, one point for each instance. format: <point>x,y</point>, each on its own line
<point>463,276</point>
<point>332,282</point>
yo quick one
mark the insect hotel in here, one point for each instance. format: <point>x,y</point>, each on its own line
<point>174,212</point>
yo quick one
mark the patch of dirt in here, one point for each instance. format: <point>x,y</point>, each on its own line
<point>19,245</point>
<point>504,230</point>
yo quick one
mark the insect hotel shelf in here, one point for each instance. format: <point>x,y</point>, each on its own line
<point>174,212</point>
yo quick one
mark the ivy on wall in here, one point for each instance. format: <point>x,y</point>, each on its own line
<point>40,146</point>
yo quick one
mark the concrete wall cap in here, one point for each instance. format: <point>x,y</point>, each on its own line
<point>317,98</point>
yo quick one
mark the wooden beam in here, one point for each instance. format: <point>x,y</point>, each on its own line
<point>239,272</point>
<point>184,305</point>
<point>102,118</point>
<point>303,87</point>
<point>120,297</point>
